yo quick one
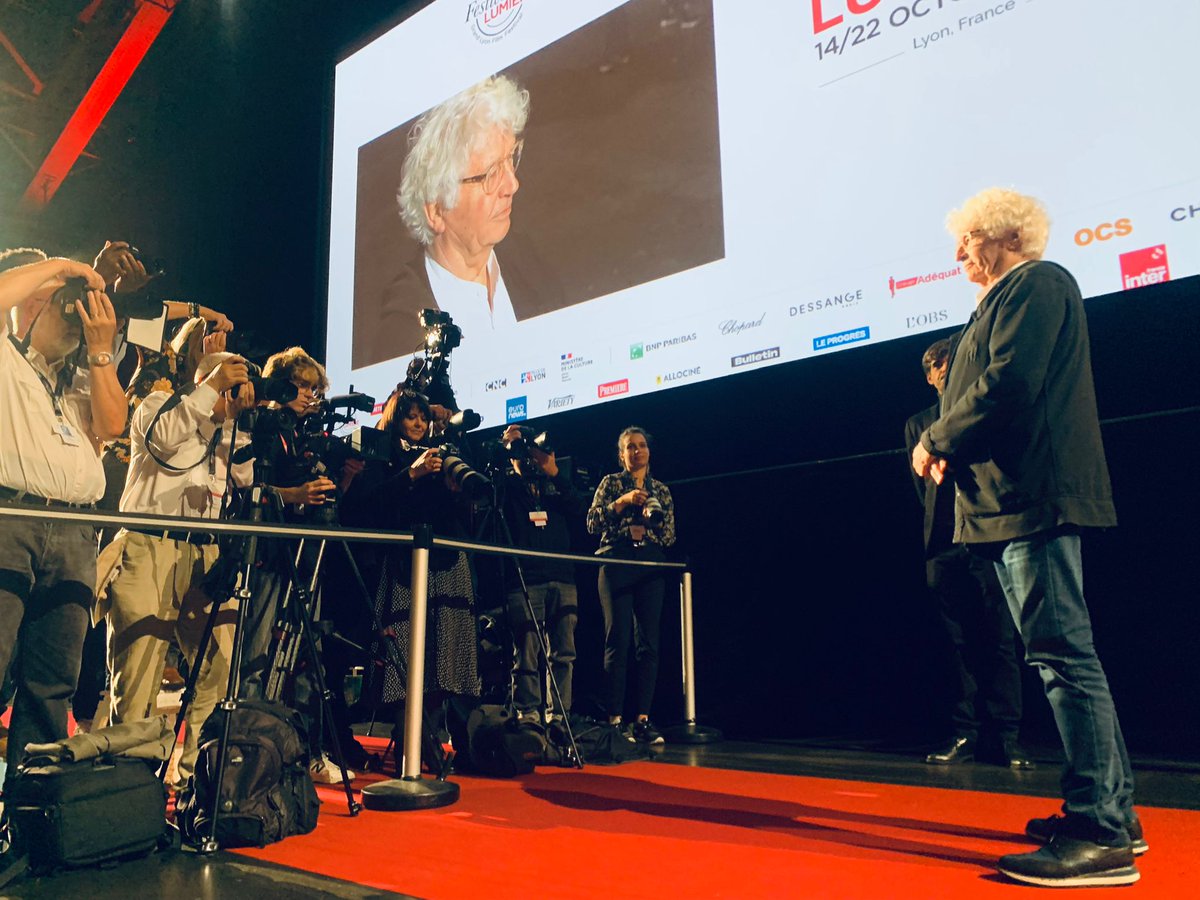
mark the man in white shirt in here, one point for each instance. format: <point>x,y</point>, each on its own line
<point>179,466</point>
<point>59,397</point>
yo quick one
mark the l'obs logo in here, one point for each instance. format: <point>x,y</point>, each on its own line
<point>926,319</point>
<point>1105,231</point>
<point>492,20</point>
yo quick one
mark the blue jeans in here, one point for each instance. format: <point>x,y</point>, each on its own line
<point>1042,577</point>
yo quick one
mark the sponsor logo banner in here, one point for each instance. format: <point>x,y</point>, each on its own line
<point>636,351</point>
<point>900,284</point>
<point>755,356</point>
<point>1105,231</point>
<point>569,363</point>
<point>516,409</point>
<point>496,384</point>
<point>492,20</point>
<point>641,348</point>
<point>612,388</point>
<point>1146,266</point>
<point>737,326</point>
<point>533,375</point>
<point>833,301</point>
<point>677,375</point>
<point>1183,213</point>
<point>561,402</point>
<point>926,319</point>
<point>853,336</point>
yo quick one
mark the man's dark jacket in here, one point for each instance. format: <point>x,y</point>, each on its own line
<point>1019,423</point>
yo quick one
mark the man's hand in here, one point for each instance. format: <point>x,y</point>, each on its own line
<point>218,322</point>
<point>546,461</point>
<point>926,465</point>
<point>119,267</point>
<point>214,342</point>
<point>238,403</point>
<point>440,413</point>
<point>425,464</point>
<point>227,374</point>
<point>311,493</point>
<point>99,321</point>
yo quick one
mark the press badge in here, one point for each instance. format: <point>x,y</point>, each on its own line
<point>538,517</point>
<point>66,434</point>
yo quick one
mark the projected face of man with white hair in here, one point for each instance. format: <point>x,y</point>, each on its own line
<point>456,195</point>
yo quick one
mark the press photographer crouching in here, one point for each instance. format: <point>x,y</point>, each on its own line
<point>635,517</point>
<point>179,466</point>
<point>422,484</point>
<point>538,499</point>
<point>59,397</point>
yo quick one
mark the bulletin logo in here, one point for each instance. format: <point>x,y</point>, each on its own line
<point>516,409</point>
<point>612,388</point>
<point>757,356</point>
<point>533,375</point>
<point>1142,267</point>
<point>492,20</point>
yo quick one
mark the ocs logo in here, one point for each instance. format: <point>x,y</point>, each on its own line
<point>1105,231</point>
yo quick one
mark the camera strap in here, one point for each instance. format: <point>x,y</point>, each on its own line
<point>61,382</point>
<point>209,453</point>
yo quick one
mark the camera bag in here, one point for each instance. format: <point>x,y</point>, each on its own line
<point>495,746</point>
<point>266,793</point>
<point>79,813</point>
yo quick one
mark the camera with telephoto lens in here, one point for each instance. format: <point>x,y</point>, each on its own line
<point>652,511</point>
<point>519,448</point>
<point>140,305</point>
<point>278,390</point>
<point>461,473</point>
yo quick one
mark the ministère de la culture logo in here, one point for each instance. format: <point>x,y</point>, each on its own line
<point>492,20</point>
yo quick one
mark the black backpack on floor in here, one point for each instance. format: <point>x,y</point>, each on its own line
<point>266,794</point>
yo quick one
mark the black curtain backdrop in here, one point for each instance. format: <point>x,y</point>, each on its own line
<point>811,616</point>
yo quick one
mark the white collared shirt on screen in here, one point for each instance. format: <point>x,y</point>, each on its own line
<point>467,303</point>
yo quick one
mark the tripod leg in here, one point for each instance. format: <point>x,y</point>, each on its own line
<point>189,688</point>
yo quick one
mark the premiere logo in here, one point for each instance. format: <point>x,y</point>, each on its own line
<point>492,20</point>
<point>735,326</point>
<point>756,356</point>
<point>678,375</point>
<point>612,388</point>
<point>533,375</point>
<point>834,301</point>
<point>516,409</point>
<point>496,384</point>
<point>561,402</point>
<point>1142,267</point>
<point>925,319</point>
<point>853,336</point>
<point>901,284</point>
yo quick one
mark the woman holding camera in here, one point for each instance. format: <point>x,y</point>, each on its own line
<point>635,517</point>
<point>409,491</point>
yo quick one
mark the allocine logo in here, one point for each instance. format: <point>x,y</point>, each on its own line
<point>612,388</point>
<point>899,284</point>
<point>677,375</point>
<point>561,402</point>
<point>516,409</point>
<point>571,362</point>
<point>496,384</point>
<point>925,319</point>
<point>833,301</point>
<point>1145,266</point>
<point>737,326</point>
<point>491,20</point>
<point>757,356</point>
<point>853,336</point>
<point>533,375</point>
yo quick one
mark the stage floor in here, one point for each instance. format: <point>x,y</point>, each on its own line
<point>733,819</point>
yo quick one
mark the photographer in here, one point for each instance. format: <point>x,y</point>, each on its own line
<point>59,397</point>
<point>181,445</point>
<point>537,500</point>
<point>635,518</point>
<point>411,490</point>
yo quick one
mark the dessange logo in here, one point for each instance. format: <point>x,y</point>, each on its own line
<point>492,20</point>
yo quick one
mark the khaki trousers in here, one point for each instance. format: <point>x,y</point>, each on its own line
<point>157,596</point>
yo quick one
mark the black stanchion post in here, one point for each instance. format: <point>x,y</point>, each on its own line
<point>689,732</point>
<point>411,791</point>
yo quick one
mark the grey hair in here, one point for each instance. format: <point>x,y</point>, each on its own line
<point>441,143</point>
<point>208,364</point>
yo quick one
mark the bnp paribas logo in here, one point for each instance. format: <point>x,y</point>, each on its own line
<point>636,351</point>
<point>492,20</point>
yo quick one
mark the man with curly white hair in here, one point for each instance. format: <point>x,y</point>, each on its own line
<point>1020,436</point>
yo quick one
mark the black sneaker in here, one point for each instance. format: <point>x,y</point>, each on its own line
<point>644,732</point>
<point>1069,862</point>
<point>1043,830</point>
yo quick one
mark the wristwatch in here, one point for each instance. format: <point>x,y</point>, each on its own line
<point>97,360</point>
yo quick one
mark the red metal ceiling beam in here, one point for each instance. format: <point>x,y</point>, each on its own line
<point>20,61</point>
<point>141,32</point>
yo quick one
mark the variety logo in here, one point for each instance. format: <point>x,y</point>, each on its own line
<point>532,376</point>
<point>736,326</point>
<point>1183,213</point>
<point>516,409</point>
<point>757,356</point>
<point>612,388</point>
<point>491,20</point>
<point>569,362</point>
<point>895,284</point>
<point>678,375</point>
<point>496,384</point>
<point>561,402</point>
<point>1143,267</point>
<point>844,299</point>
<point>1105,231</point>
<point>925,319</point>
<point>853,336</point>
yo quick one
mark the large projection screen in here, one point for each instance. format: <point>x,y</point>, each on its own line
<point>713,186</point>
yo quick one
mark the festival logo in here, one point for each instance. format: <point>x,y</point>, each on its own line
<point>900,284</point>
<point>516,409</point>
<point>756,356</point>
<point>853,336</point>
<point>492,20</point>
<point>1142,267</point>
<point>612,388</point>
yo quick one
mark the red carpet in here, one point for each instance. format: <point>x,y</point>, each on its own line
<point>658,830</point>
